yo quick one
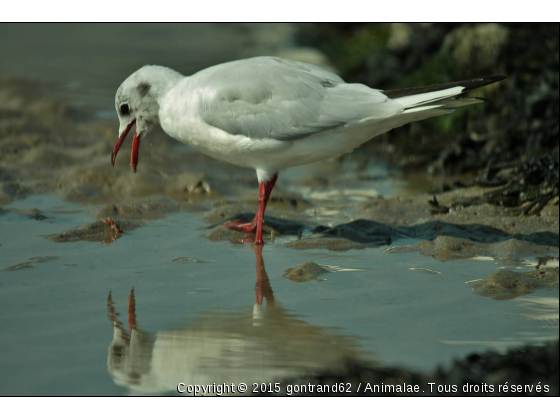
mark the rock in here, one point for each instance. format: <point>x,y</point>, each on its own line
<point>305,272</point>
<point>505,284</point>
<point>97,231</point>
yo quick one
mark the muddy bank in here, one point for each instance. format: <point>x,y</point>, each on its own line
<point>462,233</point>
<point>49,147</point>
<point>532,370</point>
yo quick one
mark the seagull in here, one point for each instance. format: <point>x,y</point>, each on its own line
<point>270,113</point>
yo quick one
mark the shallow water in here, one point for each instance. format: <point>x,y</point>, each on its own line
<point>196,314</point>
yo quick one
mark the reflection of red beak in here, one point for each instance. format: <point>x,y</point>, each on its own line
<point>135,147</point>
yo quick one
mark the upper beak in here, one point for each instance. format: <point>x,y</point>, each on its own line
<point>135,146</point>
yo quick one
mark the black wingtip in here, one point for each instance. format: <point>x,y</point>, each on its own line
<point>498,77</point>
<point>468,85</point>
<point>482,81</point>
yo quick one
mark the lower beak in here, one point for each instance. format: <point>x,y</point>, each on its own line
<point>134,154</point>
<point>135,146</point>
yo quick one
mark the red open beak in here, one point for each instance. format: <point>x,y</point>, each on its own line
<point>135,147</point>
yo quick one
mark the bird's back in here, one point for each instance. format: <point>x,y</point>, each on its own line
<point>268,97</point>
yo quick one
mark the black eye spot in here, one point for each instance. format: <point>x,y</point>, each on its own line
<point>125,110</point>
<point>143,89</point>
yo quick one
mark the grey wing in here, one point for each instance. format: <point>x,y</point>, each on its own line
<point>269,97</point>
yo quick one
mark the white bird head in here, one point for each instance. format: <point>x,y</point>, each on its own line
<point>137,102</point>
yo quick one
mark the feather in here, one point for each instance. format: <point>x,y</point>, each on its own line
<point>465,84</point>
<point>281,99</point>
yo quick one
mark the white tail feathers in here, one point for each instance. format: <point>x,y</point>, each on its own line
<point>458,102</point>
<point>432,104</point>
<point>444,104</point>
<point>430,101</point>
<point>413,101</point>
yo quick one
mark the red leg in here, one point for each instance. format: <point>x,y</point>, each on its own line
<point>265,189</point>
<point>262,288</point>
<point>131,311</point>
<point>114,317</point>
<point>260,270</point>
<point>114,226</point>
<point>260,214</point>
<point>269,186</point>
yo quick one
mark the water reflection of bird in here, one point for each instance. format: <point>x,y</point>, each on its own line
<point>264,345</point>
<point>269,113</point>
